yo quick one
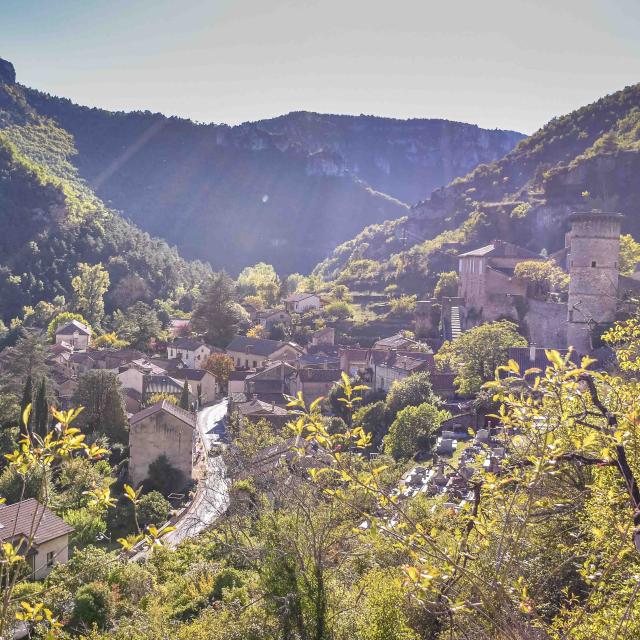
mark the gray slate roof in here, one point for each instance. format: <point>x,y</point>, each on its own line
<point>71,327</point>
<point>164,405</point>
<point>258,346</point>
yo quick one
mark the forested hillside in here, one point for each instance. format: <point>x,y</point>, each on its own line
<point>587,159</point>
<point>52,221</point>
<point>284,191</point>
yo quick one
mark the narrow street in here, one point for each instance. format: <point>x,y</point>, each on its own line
<point>212,495</point>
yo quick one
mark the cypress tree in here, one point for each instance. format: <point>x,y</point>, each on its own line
<point>27,399</point>
<point>184,397</point>
<point>41,410</point>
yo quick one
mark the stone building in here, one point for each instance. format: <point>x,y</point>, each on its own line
<point>594,251</point>
<point>161,429</point>
<point>489,289</point>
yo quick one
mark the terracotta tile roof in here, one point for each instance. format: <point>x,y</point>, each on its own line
<point>186,416</point>
<point>19,518</point>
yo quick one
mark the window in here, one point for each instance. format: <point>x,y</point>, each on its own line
<point>593,263</point>
<point>237,362</point>
<point>246,363</point>
<point>255,364</point>
<point>50,558</point>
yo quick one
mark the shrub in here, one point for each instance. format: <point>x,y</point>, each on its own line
<point>153,508</point>
<point>94,604</point>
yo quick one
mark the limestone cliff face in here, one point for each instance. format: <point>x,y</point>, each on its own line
<point>406,159</point>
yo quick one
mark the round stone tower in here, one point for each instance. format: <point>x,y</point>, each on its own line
<point>594,249</point>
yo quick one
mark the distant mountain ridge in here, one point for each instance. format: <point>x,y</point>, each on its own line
<point>589,158</point>
<point>279,190</point>
<point>406,159</point>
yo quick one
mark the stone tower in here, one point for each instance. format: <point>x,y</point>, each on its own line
<point>594,248</point>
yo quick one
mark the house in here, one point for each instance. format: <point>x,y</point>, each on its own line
<point>316,383</point>
<point>65,384</point>
<point>30,520</point>
<point>324,336</point>
<point>161,429</point>
<point>59,353</point>
<point>132,374</point>
<point>271,383</point>
<point>132,401</point>
<point>255,352</point>
<point>301,302</point>
<point>488,270</point>
<point>236,381</point>
<point>390,366</point>
<point>80,362</point>
<point>193,352</point>
<point>353,360</point>
<point>253,409</point>
<point>154,384</point>
<point>202,382</point>
<point>396,341</point>
<point>268,318</point>
<point>74,333</point>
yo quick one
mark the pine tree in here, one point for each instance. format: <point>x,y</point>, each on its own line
<point>184,398</point>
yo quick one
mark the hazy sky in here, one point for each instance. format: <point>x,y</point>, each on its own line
<point>498,63</point>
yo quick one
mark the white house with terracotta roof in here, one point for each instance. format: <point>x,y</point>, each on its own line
<point>30,525</point>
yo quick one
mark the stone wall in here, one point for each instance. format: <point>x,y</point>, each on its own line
<point>546,323</point>
<point>160,434</point>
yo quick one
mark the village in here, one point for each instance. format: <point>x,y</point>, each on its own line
<point>179,411</point>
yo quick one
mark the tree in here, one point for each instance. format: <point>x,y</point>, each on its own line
<point>94,604</point>
<point>338,309</point>
<point>374,420</point>
<point>476,354</point>
<point>257,331</point>
<point>260,280</point>
<point>60,320</point>
<point>99,393</point>
<point>184,396</point>
<point>220,365</point>
<point>629,254</point>
<point>153,508</point>
<point>216,315</point>
<point>138,325</point>
<point>129,290</point>
<point>414,390</point>
<point>447,285</point>
<point>109,341</point>
<point>26,359</point>
<point>413,429</point>
<point>159,397</point>
<point>89,285</point>
<point>40,409</point>
<point>403,305</point>
<point>544,277</point>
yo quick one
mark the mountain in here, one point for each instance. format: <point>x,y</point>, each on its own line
<point>404,158</point>
<point>285,191</point>
<point>51,221</point>
<point>589,158</point>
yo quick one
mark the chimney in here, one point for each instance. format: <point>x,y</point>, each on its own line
<point>532,352</point>
<point>273,406</point>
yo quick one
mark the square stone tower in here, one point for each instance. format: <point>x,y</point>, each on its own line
<point>594,252</point>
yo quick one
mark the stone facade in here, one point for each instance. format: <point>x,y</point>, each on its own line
<point>162,429</point>
<point>594,250</point>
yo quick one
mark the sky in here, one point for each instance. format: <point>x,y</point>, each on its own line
<point>508,64</point>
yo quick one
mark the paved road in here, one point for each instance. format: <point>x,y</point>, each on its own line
<point>212,496</point>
